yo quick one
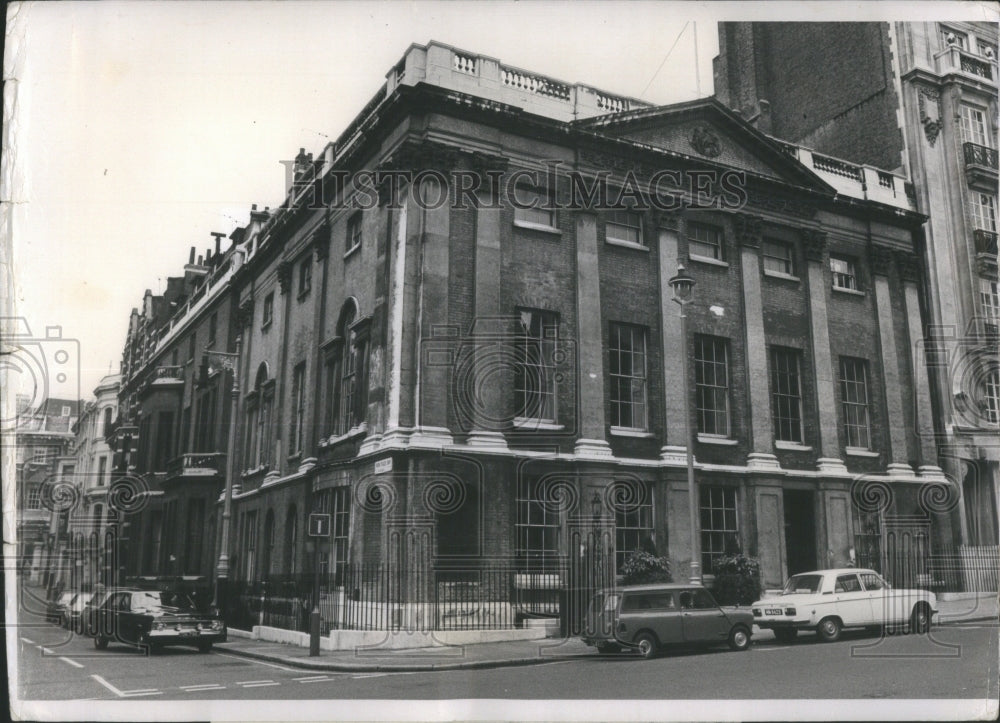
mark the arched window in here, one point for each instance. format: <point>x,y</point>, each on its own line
<point>291,540</point>
<point>258,416</point>
<point>350,398</point>
<point>268,544</point>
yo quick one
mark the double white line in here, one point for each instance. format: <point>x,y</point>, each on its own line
<point>126,693</point>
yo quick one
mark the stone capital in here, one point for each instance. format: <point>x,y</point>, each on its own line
<point>813,244</point>
<point>749,229</point>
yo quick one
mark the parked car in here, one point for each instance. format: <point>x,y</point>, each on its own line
<point>72,614</point>
<point>153,618</point>
<point>828,601</point>
<point>56,606</point>
<point>649,618</point>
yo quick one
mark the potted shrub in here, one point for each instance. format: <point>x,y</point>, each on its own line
<point>737,579</point>
<point>642,567</point>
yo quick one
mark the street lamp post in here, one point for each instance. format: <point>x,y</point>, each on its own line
<point>230,362</point>
<point>682,285</point>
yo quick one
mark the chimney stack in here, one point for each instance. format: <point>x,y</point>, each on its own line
<point>218,240</point>
<point>191,257</point>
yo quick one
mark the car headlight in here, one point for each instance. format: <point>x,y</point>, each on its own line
<point>216,625</point>
<point>757,613</point>
<point>159,626</point>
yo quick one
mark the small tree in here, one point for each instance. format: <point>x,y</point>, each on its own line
<point>641,568</point>
<point>737,579</point>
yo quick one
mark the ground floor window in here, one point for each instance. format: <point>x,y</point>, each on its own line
<point>537,528</point>
<point>867,539</point>
<point>632,503</point>
<point>719,529</point>
<point>333,563</point>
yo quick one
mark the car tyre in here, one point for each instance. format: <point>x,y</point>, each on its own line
<point>829,630</point>
<point>647,645</point>
<point>207,646</point>
<point>740,638</point>
<point>920,620</point>
<point>786,635</point>
<point>100,642</point>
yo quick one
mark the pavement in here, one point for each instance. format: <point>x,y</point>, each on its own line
<point>497,655</point>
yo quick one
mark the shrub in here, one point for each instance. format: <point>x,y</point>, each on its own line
<point>643,567</point>
<point>737,580</point>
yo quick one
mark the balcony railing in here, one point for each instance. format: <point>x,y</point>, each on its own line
<point>169,372</point>
<point>977,155</point>
<point>976,66</point>
<point>986,242</point>
<point>194,464</point>
<point>838,167</point>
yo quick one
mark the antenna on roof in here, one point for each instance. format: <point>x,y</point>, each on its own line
<point>697,70</point>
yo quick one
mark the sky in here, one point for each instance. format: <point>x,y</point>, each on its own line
<point>138,128</point>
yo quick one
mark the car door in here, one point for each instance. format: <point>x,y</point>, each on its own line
<point>703,619</point>
<point>886,607</point>
<point>651,610</point>
<point>852,602</point>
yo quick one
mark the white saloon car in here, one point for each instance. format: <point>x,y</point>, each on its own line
<point>829,600</point>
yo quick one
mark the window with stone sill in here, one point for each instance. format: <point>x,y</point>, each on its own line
<point>719,524</point>
<point>627,372</point>
<point>854,402</point>
<point>844,272</point>
<point>633,509</point>
<point>535,386</point>
<point>706,240</point>
<point>537,527</point>
<point>624,226</point>
<point>305,277</point>
<point>779,257</point>
<point>711,368</point>
<point>786,394</point>
<point>268,313</point>
<point>353,238</point>
<point>534,207</point>
<point>990,403</point>
<point>974,127</point>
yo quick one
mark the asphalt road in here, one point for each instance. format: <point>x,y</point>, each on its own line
<point>953,662</point>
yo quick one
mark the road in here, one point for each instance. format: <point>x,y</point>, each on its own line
<point>955,662</point>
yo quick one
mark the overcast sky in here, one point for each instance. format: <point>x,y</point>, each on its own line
<point>139,128</point>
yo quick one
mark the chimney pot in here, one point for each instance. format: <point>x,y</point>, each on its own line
<point>253,207</point>
<point>191,257</point>
<point>199,260</point>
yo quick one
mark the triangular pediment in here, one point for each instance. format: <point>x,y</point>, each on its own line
<point>707,130</point>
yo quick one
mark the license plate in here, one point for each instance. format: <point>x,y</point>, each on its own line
<point>772,611</point>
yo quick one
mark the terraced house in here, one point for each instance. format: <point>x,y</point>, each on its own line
<point>455,344</point>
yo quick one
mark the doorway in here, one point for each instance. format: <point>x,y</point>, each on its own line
<point>800,531</point>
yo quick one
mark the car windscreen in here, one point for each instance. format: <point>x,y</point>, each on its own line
<point>166,601</point>
<point>802,584</point>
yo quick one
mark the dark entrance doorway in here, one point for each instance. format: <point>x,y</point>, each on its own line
<point>800,531</point>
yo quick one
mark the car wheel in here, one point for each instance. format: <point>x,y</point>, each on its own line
<point>100,642</point>
<point>829,630</point>
<point>607,648</point>
<point>920,620</point>
<point>204,647</point>
<point>786,635</point>
<point>647,645</point>
<point>739,638</point>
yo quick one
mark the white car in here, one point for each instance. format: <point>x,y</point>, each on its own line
<point>829,600</point>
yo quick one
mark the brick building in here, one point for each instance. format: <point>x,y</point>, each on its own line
<point>920,97</point>
<point>472,379</point>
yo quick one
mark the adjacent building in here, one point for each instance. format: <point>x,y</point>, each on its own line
<point>456,337</point>
<point>920,98</point>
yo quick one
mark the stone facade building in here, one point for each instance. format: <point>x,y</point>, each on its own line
<point>920,97</point>
<point>471,362</point>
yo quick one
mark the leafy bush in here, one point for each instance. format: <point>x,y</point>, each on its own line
<point>737,579</point>
<point>642,567</point>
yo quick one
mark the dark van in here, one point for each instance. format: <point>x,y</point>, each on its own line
<point>648,618</point>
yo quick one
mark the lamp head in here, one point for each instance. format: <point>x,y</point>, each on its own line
<point>682,284</point>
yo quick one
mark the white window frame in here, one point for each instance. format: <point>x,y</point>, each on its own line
<point>846,276</point>
<point>786,394</point>
<point>984,211</point>
<point>624,227</point>
<point>700,247</point>
<point>537,216</point>
<point>633,360</point>
<point>711,383</point>
<point>785,264</point>
<point>536,390</point>
<point>855,403</point>
<point>974,127</point>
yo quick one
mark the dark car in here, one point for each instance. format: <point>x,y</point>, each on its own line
<point>154,619</point>
<point>648,618</point>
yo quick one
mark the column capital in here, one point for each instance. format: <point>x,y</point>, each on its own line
<point>285,276</point>
<point>813,244</point>
<point>321,241</point>
<point>909,267</point>
<point>670,220</point>
<point>749,229</point>
<point>882,260</point>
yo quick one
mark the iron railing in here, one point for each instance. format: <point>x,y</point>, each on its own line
<point>977,155</point>
<point>986,242</point>
<point>965,568</point>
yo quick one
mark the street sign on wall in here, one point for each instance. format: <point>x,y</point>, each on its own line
<point>383,465</point>
<point>319,525</point>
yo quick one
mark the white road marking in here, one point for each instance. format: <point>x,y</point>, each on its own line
<point>259,685</point>
<point>44,649</point>
<point>203,686</point>
<point>369,675</point>
<point>138,693</point>
<point>251,682</point>
<point>312,677</point>
<point>71,662</point>
<point>29,642</point>
<point>254,660</point>
<point>773,647</point>
<point>107,685</point>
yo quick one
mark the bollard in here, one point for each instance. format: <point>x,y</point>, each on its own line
<point>314,633</point>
